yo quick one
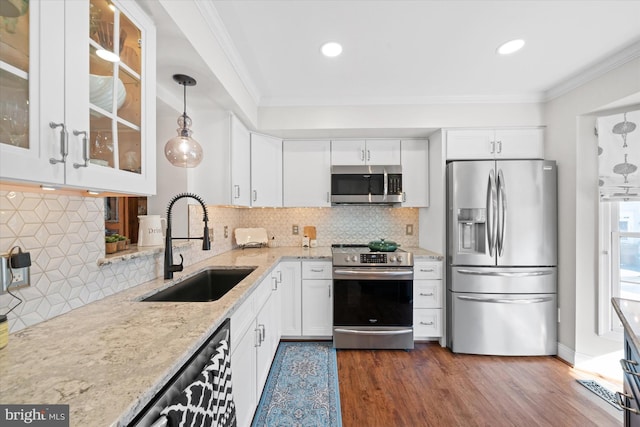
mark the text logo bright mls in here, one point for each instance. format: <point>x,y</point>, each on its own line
<point>34,415</point>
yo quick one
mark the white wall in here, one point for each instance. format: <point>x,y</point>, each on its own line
<point>570,141</point>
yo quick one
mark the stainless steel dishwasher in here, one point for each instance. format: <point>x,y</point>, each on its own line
<point>150,414</point>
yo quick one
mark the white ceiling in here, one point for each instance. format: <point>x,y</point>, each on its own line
<point>397,51</point>
<point>411,52</point>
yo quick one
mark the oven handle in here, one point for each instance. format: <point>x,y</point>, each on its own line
<point>386,332</point>
<point>373,274</point>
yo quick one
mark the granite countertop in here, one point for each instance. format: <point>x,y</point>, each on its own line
<point>629,313</point>
<point>107,359</point>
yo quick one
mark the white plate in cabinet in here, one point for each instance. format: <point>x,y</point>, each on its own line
<point>427,270</point>
<point>316,270</point>
<point>427,322</point>
<point>427,293</point>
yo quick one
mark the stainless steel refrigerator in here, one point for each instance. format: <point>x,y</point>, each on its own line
<point>502,257</point>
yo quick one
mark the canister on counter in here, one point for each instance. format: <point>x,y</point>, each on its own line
<point>4,331</point>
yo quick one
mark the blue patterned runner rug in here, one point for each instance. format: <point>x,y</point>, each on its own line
<point>302,387</point>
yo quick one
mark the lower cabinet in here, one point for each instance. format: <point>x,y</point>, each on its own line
<point>307,299</point>
<point>427,300</point>
<point>317,299</point>
<point>255,334</point>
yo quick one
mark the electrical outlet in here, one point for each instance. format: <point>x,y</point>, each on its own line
<point>295,230</point>
<point>14,278</point>
<point>409,229</point>
<point>226,231</point>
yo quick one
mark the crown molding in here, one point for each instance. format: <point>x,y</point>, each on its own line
<point>525,98</point>
<point>218,29</point>
<point>593,71</point>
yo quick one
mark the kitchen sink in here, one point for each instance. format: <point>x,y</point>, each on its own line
<point>208,285</point>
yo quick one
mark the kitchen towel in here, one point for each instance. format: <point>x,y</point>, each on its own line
<point>208,401</point>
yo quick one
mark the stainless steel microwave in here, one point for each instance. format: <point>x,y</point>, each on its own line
<point>366,184</point>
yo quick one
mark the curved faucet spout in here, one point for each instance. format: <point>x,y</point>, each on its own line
<point>169,267</point>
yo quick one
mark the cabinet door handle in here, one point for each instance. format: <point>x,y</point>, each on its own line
<point>317,270</point>
<point>274,286</point>
<point>492,147</point>
<point>430,294</point>
<point>368,155</point>
<point>63,143</point>
<point>329,291</point>
<point>499,147</point>
<point>427,323</point>
<point>362,154</point>
<point>621,402</point>
<point>263,333</point>
<point>236,191</point>
<point>257,341</point>
<point>255,195</point>
<point>328,200</point>
<point>404,196</point>
<point>427,270</point>
<point>279,276</point>
<point>85,149</point>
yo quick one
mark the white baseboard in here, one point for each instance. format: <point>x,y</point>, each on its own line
<point>567,354</point>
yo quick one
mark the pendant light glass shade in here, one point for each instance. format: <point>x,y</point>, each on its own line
<point>182,150</point>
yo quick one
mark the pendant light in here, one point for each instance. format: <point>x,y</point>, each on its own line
<point>182,150</point>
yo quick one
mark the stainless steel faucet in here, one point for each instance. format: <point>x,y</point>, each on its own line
<point>169,267</point>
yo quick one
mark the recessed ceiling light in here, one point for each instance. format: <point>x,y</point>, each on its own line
<point>331,49</point>
<point>510,47</point>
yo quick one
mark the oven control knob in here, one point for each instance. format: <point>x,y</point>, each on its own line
<point>399,258</point>
<point>392,259</point>
<point>354,258</point>
<point>347,258</point>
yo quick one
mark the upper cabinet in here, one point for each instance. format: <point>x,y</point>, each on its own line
<point>525,143</point>
<point>240,163</point>
<point>415,173</point>
<point>69,116</point>
<point>306,173</point>
<point>266,171</point>
<point>365,152</point>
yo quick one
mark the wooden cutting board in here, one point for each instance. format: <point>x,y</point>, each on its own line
<point>309,231</point>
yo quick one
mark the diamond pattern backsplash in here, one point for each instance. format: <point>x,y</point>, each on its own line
<point>65,236</point>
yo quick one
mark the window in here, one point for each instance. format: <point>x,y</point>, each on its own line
<point>620,259</point>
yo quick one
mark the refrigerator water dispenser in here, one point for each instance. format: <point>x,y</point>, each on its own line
<point>471,230</point>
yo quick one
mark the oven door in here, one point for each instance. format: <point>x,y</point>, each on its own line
<point>373,307</point>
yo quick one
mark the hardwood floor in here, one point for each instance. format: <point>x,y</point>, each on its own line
<point>430,386</point>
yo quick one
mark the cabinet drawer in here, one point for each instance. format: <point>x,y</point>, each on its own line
<point>316,270</point>
<point>262,293</point>
<point>427,322</point>
<point>427,270</point>
<point>427,293</point>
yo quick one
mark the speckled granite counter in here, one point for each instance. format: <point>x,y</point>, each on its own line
<point>629,313</point>
<point>108,358</point>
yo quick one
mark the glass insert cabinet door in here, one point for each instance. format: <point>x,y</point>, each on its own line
<point>115,87</point>
<point>14,73</point>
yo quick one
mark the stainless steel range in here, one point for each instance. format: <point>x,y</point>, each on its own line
<point>373,298</point>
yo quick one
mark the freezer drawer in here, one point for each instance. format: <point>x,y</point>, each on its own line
<point>501,280</point>
<point>503,324</point>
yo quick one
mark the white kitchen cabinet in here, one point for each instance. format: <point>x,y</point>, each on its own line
<point>306,173</point>
<point>291,298</point>
<point>317,299</point>
<point>240,140</point>
<point>255,334</point>
<point>365,152</point>
<point>415,173</point>
<point>91,123</point>
<point>266,171</point>
<point>524,143</point>
<point>428,292</point>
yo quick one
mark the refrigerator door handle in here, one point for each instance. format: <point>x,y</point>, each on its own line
<point>505,300</point>
<point>491,212</point>
<point>505,274</point>
<point>502,212</point>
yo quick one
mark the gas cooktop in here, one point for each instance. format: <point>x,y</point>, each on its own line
<point>360,255</point>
